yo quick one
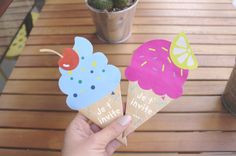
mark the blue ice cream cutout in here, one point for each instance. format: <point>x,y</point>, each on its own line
<point>91,80</point>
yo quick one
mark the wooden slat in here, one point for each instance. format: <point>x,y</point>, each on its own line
<point>3,48</point>
<point>5,41</point>
<point>135,38</point>
<point>27,152</point>
<point>23,138</point>
<point>22,9</point>
<point>22,3</point>
<point>12,17</point>
<point>10,24</point>
<point>137,29</point>
<point>40,102</point>
<point>37,120</point>
<point>121,60</point>
<point>2,51</point>
<point>160,122</point>
<point>151,5</point>
<point>173,1</point>
<point>139,141</point>
<point>129,49</point>
<point>53,74</point>
<point>142,21</point>
<point>181,141</point>
<point>149,13</point>
<point>51,87</point>
<point>8,32</point>
<point>57,103</point>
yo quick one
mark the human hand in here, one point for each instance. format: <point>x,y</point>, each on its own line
<point>82,139</point>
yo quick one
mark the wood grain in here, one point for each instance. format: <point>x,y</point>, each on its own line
<point>124,49</point>
<point>5,41</point>
<point>173,1</point>
<point>8,32</point>
<point>10,24</point>
<point>142,21</point>
<point>137,29</point>
<point>2,51</point>
<point>28,152</point>
<point>184,104</point>
<point>22,3</point>
<point>51,87</point>
<point>53,74</point>
<point>135,39</point>
<point>150,5</point>
<point>12,17</point>
<point>122,60</point>
<point>22,9</point>
<point>160,122</point>
<point>139,141</point>
<point>148,13</point>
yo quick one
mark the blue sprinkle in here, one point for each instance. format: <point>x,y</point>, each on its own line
<point>82,58</point>
<point>75,95</point>
<point>91,71</point>
<point>113,93</point>
<point>71,78</point>
<point>103,70</point>
<point>92,87</point>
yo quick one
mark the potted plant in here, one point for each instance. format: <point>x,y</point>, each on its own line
<point>112,18</point>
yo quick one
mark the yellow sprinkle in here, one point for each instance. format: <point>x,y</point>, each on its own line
<point>94,64</point>
<point>83,69</point>
<point>163,68</point>
<point>143,63</point>
<point>151,49</point>
<point>181,72</point>
<point>163,48</point>
<point>69,72</point>
<point>98,78</point>
<point>169,60</point>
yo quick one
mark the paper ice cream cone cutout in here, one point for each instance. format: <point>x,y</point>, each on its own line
<point>142,105</point>
<point>156,75</point>
<point>90,83</point>
<point>103,112</point>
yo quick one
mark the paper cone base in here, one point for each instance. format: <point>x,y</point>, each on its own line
<point>105,111</point>
<point>142,105</point>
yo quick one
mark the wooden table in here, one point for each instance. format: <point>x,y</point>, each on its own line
<point>33,113</point>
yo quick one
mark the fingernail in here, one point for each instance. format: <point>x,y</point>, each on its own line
<point>124,120</point>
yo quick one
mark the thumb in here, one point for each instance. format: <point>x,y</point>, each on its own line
<point>113,130</point>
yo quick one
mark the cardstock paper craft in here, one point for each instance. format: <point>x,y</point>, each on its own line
<point>91,84</point>
<point>156,75</point>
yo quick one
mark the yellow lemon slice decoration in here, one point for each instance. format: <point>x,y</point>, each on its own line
<point>181,53</point>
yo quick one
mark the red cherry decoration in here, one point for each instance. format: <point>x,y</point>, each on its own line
<point>69,60</point>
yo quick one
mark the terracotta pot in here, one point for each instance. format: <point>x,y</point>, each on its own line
<point>113,27</point>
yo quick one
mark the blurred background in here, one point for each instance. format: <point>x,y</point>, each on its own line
<point>17,18</point>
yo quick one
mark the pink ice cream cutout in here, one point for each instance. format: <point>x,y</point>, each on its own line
<point>154,70</point>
